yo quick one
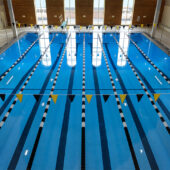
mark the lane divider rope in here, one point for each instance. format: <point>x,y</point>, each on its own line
<point>134,115</point>
<point>19,59</point>
<point>146,91</point>
<point>26,82</point>
<point>120,111</point>
<point>83,112</point>
<point>149,60</point>
<point>46,111</point>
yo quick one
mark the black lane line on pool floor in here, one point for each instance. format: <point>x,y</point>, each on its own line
<point>165,124</point>
<point>19,59</point>
<point>7,101</point>
<point>149,61</point>
<point>26,82</point>
<point>141,132</point>
<point>102,129</point>
<point>21,142</point>
<point>159,101</point>
<point>103,137</point>
<point>45,114</point>
<point>64,130</point>
<point>149,87</point>
<point>121,112</point>
<point>83,156</point>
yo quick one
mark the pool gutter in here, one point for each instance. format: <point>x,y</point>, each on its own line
<point>11,42</point>
<point>157,43</point>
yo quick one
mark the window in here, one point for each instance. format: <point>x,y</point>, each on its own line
<point>40,10</point>
<point>69,8</point>
<point>127,12</point>
<point>98,12</point>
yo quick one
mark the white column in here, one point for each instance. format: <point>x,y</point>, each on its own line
<point>12,18</point>
<point>156,17</point>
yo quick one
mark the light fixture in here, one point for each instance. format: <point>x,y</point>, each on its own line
<point>144,16</point>
<point>113,16</point>
<point>55,16</point>
<point>23,16</point>
<point>84,16</point>
<point>138,18</point>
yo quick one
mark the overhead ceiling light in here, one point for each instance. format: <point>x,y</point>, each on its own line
<point>84,16</point>
<point>55,16</point>
<point>144,16</point>
<point>113,16</point>
<point>23,16</point>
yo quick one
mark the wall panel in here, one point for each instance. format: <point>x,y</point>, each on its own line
<point>145,8</point>
<point>24,11</point>
<point>113,12</point>
<point>7,13</point>
<point>84,12</point>
<point>55,11</point>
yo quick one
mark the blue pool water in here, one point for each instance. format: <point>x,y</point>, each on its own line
<point>40,134</point>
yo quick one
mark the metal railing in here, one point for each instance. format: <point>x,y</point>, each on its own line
<point>161,35</point>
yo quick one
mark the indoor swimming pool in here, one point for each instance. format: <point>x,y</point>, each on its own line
<point>84,101</point>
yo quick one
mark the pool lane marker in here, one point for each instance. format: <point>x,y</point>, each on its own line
<point>21,142</point>
<point>106,158</point>
<point>120,111</point>
<point>65,125</point>
<point>19,59</point>
<point>46,111</point>
<point>149,87</point>
<point>141,132</point>
<point>141,83</point>
<point>26,82</point>
<point>148,59</point>
<point>83,112</point>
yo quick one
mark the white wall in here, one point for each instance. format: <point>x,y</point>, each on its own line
<point>165,21</point>
<point>3,20</point>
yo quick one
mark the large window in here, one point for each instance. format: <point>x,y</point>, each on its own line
<point>69,9</point>
<point>127,12</point>
<point>41,14</point>
<point>98,12</point>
